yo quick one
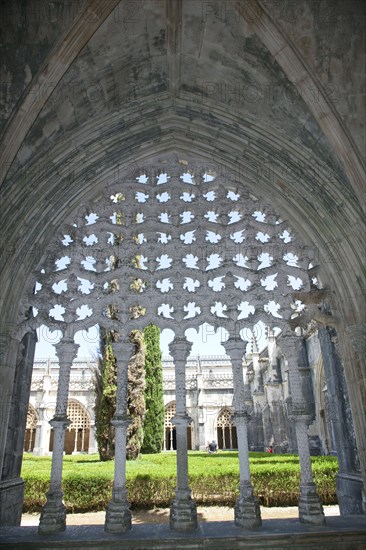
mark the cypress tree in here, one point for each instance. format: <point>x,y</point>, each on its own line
<point>105,386</point>
<point>136,398</point>
<point>154,394</point>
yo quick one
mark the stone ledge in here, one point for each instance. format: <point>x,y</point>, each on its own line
<point>337,534</point>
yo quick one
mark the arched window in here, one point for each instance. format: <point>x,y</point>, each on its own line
<point>30,431</point>
<point>169,429</point>
<point>78,433</point>
<point>226,431</point>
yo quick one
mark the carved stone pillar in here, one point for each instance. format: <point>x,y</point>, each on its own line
<point>53,516</point>
<point>183,513</point>
<point>93,448</point>
<point>310,506</point>
<point>247,510</point>
<point>11,485</point>
<point>357,336</point>
<point>118,516</point>
<point>349,480</point>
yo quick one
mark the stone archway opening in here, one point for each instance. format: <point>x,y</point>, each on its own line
<point>78,432</point>
<point>227,438</point>
<point>177,245</point>
<point>31,428</point>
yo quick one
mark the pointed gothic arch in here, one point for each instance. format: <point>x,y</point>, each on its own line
<point>77,433</point>
<point>226,431</point>
<point>60,151</point>
<point>176,244</point>
<point>31,428</point>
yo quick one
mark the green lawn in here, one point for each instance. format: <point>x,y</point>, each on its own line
<point>214,478</point>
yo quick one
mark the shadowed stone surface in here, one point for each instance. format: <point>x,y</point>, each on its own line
<point>339,533</point>
<point>269,93</point>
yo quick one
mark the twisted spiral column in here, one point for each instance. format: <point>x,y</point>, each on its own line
<point>310,506</point>
<point>183,513</point>
<point>118,516</point>
<point>247,511</point>
<point>53,516</point>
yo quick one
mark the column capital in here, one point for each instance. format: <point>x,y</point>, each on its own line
<point>180,349</point>
<point>121,421</point>
<point>235,348</point>
<point>60,422</point>
<point>66,351</point>
<point>241,417</point>
<point>123,350</point>
<point>290,344</point>
<point>181,420</point>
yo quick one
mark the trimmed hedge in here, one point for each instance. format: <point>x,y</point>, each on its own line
<point>87,482</point>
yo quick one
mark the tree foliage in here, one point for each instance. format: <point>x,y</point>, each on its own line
<point>105,389</point>
<point>136,398</point>
<point>154,393</point>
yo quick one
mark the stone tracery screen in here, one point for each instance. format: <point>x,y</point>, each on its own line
<point>78,416</point>
<point>177,248</point>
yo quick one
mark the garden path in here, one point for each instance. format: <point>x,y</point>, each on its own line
<point>161,515</point>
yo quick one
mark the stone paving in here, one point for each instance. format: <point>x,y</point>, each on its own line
<point>339,533</point>
<point>161,515</point>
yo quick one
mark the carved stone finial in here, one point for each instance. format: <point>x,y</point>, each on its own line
<point>255,345</point>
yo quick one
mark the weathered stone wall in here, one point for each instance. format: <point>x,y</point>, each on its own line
<point>10,511</point>
<point>105,96</point>
<point>329,35</point>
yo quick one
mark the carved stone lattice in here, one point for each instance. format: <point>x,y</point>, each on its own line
<point>168,415</point>
<point>224,420</point>
<point>218,381</point>
<point>176,248</point>
<point>32,418</point>
<point>78,417</point>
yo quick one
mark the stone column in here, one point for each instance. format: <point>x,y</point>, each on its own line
<point>349,480</point>
<point>40,433</point>
<point>183,513</point>
<point>247,510</point>
<point>310,506</point>
<point>118,516</point>
<point>11,484</point>
<point>93,448</point>
<point>53,516</point>
<point>357,336</point>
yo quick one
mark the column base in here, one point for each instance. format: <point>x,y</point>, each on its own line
<point>118,517</point>
<point>310,506</point>
<point>11,501</point>
<point>53,516</point>
<point>247,512</point>
<point>349,493</point>
<point>183,512</point>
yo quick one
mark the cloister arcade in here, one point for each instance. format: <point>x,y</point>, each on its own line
<point>200,162</point>
<point>173,246</point>
<point>76,435</point>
